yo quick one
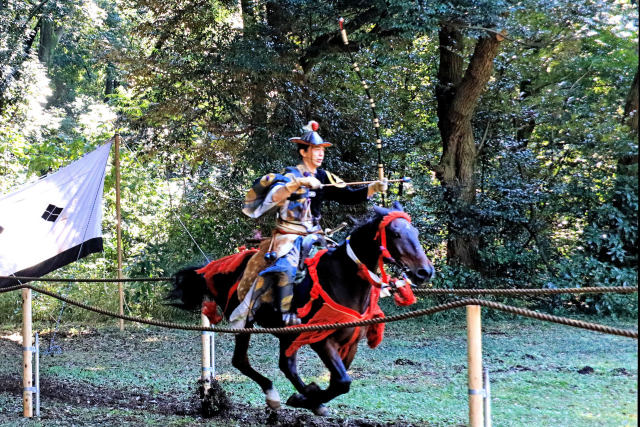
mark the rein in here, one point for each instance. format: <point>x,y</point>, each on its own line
<point>381,234</point>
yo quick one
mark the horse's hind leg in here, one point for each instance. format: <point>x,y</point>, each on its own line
<point>241,362</point>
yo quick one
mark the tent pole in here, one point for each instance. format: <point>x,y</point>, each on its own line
<point>118,227</point>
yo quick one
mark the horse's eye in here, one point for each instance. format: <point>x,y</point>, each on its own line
<point>395,234</point>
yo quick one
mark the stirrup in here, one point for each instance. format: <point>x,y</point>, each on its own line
<point>290,319</point>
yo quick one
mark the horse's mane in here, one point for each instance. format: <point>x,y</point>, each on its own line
<point>364,222</point>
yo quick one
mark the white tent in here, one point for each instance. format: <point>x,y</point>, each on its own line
<point>55,221</point>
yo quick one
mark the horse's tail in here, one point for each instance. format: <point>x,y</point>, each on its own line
<point>217,280</point>
<point>189,289</point>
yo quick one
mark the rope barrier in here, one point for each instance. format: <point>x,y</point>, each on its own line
<point>604,289</point>
<point>297,329</point>
<point>46,279</point>
<point>595,289</point>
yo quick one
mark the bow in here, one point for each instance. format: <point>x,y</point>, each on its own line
<point>372,104</point>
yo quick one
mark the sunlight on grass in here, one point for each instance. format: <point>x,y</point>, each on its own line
<point>15,337</point>
<point>417,376</point>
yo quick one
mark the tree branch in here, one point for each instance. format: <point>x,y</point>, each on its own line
<point>332,42</point>
<point>477,75</point>
<point>484,138</point>
<point>34,12</point>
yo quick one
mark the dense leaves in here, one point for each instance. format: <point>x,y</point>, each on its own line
<point>205,94</point>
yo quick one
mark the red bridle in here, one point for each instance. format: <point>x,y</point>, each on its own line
<point>384,252</point>
<point>382,234</point>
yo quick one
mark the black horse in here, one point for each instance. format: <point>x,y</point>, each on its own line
<point>344,284</point>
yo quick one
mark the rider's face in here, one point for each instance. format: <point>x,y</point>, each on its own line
<point>313,157</point>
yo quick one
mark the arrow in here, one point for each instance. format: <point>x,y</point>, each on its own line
<point>343,184</point>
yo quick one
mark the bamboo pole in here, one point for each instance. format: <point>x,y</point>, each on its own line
<point>206,354</point>
<point>27,343</point>
<point>118,228</point>
<point>474,355</point>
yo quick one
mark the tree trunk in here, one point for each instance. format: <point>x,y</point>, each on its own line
<point>631,106</point>
<point>15,72</point>
<point>49,37</point>
<point>457,98</point>
<point>626,179</point>
<point>111,81</point>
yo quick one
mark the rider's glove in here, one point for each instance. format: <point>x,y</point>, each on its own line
<point>310,182</point>
<point>294,185</point>
<point>377,186</point>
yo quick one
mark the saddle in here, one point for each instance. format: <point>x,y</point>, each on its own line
<point>281,245</point>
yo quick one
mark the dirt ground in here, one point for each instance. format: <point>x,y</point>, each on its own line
<point>416,377</point>
<point>218,408</point>
<point>167,405</point>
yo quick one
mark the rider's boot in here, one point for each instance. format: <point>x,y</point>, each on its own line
<point>283,297</point>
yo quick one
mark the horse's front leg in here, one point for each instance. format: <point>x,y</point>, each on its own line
<point>241,362</point>
<point>289,366</point>
<point>346,361</point>
<point>339,380</point>
<point>312,397</point>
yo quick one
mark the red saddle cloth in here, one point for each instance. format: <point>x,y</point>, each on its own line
<point>224,265</point>
<point>332,312</point>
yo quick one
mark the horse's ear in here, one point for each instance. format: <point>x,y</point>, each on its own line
<point>380,210</point>
<point>396,206</point>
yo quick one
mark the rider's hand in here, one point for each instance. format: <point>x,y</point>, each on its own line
<point>378,186</point>
<point>309,182</point>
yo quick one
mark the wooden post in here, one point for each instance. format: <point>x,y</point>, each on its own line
<point>118,227</point>
<point>474,355</point>
<point>206,354</point>
<point>27,343</point>
<point>37,375</point>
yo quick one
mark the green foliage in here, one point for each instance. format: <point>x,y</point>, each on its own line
<point>206,93</point>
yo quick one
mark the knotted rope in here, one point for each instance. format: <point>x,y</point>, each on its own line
<point>424,312</point>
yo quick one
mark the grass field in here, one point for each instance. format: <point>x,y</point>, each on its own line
<point>541,374</point>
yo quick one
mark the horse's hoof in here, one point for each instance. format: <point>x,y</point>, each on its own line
<point>296,400</point>
<point>273,398</point>
<point>311,388</point>
<point>321,411</point>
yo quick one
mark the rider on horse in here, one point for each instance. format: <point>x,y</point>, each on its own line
<point>297,194</point>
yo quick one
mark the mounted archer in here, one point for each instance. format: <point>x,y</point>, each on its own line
<point>297,195</point>
<point>342,284</point>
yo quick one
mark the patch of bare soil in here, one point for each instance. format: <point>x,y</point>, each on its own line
<point>217,405</point>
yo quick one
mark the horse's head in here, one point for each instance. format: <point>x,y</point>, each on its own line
<point>404,247</point>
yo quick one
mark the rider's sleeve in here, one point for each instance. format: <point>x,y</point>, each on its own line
<point>346,194</point>
<point>259,198</point>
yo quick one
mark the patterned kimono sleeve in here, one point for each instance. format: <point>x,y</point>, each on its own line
<point>259,198</point>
